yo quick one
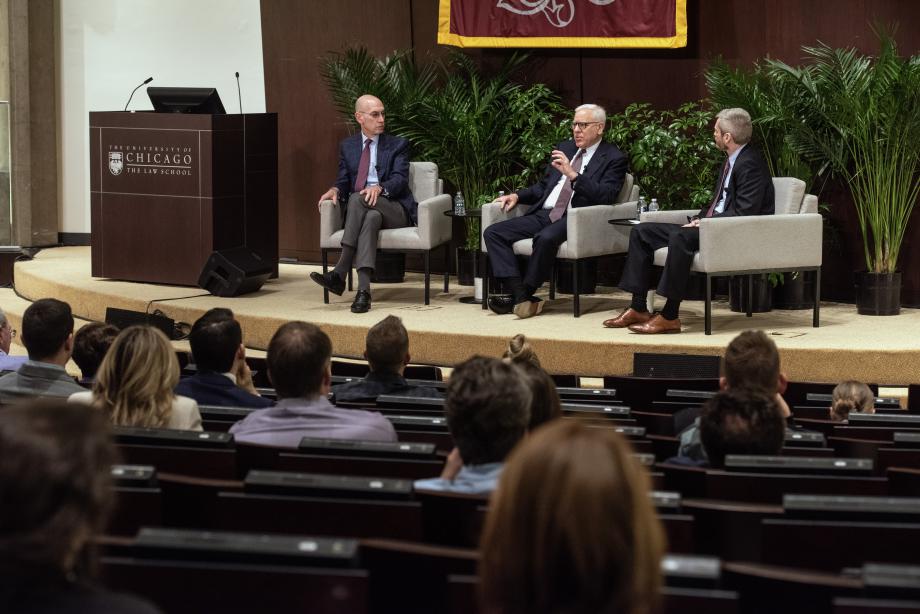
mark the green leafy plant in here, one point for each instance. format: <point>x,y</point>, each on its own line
<point>671,152</point>
<point>861,115</point>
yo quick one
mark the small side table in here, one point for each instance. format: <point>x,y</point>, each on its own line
<point>472,213</point>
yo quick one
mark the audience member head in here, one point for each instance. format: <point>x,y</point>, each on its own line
<point>47,331</point>
<point>136,379</point>
<point>571,528</point>
<point>6,333</point>
<point>55,487</point>
<point>90,345</point>
<point>520,351</point>
<point>851,396</point>
<point>545,404</point>
<point>752,361</point>
<point>488,409</point>
<point>299,361</point>
<point>387,346</point>
<point>740,421</point>
<point>216,339</point>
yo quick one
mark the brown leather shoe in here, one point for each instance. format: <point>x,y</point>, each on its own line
<point>657,325</point>
<point>628,317</point>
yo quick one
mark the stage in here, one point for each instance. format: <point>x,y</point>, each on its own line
<point>884,350</point>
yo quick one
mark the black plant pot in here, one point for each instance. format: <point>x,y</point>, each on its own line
<point>466,266</point>
<point>587,277</point>
<point>738,292</point>
<point>796,291</point>
<point>878,294</point>
<point>696,288</point>
<point>390,268</point>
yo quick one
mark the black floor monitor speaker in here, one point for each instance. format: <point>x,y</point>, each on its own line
<point>235,271</point>
<point>123,318</point>
<point>675,365</point>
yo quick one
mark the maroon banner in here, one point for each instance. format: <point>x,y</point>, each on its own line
<point>563,23</point>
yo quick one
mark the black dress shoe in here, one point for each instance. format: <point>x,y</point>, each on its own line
<point>330,281</point>
<point>362,302</point>
<point>501,304</point>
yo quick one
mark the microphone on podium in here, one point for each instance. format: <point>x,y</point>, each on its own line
<point>146,81</point>
<point>238,92</point>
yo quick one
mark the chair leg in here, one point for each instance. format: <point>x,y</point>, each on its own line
<point>707,310</point>
<point>349,281</point>
<point>552,282</point>
<point>485,283</point>
<point>325,253</point>
<point>815,316</point>
<point>446,267</point>
<point>750,296</point>
<point>427,276</point>
<point>576,289</point>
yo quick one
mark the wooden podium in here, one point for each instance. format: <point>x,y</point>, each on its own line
<point>167,189</point>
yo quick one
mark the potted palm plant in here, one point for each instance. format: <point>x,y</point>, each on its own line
<point>861,114</point>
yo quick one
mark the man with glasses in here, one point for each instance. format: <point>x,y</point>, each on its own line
<point>582,171</point>
<point>7,334</point>
<point>373,183</point>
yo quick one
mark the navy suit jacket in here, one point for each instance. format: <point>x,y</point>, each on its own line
<point>210,388</point>
<point>392,170</point>
<point>750,188</point>
<point>599,183</point>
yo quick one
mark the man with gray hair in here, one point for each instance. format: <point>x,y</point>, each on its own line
<point>743,187</point>
<point>581,172</point>
<point>7,362</point>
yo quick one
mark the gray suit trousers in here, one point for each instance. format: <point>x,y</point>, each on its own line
<point>363,222</point>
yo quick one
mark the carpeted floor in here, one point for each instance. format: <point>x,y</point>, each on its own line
<point>878,349</point>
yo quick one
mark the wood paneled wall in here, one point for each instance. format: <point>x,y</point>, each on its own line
<point>295,34</point>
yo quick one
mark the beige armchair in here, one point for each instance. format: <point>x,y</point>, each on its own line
<point>433,230</point>
<point>789,240</point>
<point>588,235</point>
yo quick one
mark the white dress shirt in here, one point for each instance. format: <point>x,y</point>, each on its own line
<point>554,195</point>
<point>731,164</point>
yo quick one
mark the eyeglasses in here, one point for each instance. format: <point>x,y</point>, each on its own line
<point>374,114</point>
<point>582,125</point>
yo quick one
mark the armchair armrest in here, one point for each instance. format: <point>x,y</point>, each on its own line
<point>588,233</point>
<point>625,211</point>
<point>330,219</point>
<point>677,216</point>
<point>492,214</point>
<point>759,242</point>
<point>433,226</point>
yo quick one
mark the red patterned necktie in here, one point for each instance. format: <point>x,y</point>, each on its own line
<point>364,166</point>
<point>715,201</point>
<point>565,195</point>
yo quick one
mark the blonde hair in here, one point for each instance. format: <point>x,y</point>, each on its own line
<point>851,396</point>
<point>135,381</point>
<point>571,528</point>
<point>520,350</point>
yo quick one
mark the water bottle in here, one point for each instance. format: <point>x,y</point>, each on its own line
<point>653,206</point>
<point>459,204</point>
<point>640,207</point>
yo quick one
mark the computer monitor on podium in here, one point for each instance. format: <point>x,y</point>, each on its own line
<point>186,100</point>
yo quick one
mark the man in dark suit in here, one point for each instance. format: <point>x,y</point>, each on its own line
<point>220,357</point>
<point>583,171</point>
<point>744,187</point>
<point>373,180</point>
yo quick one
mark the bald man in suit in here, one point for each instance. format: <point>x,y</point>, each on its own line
<point>373,183</point>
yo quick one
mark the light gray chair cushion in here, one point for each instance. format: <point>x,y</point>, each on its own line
<point>587,232</point>
<point>788,193</point>
<point>434,228</point>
